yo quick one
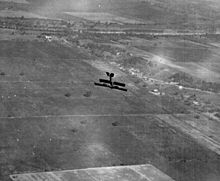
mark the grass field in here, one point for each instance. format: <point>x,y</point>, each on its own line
<point>53,118</point>
<point>197,59</point>
<point>103,17</point>
<point>16,1</point>
<point>10,13</point>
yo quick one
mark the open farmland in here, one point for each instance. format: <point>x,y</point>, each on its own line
<point>9,13</point>
<point>197,59</point>
<point>16,1</point>
<point>53,118</point>
<point>56,124</point>
<point>104,17</point>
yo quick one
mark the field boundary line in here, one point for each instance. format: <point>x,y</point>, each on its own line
<point>50,58</point>
<point>85,115</point>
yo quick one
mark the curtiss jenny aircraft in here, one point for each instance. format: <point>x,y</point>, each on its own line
<point>110,84</point>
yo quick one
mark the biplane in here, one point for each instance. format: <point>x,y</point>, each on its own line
<point>110,84</point>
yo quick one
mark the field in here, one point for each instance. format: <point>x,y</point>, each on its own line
<point>9,13</point>
<point>104,17</point>
<point>134,172</point>
<point>16,1</point>
<point>54,118</point>
<point>197,59</point>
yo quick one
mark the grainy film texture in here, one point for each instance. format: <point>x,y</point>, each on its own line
<point>109,90</point>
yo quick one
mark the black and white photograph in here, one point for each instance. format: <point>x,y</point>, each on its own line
<point>109,90</point>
